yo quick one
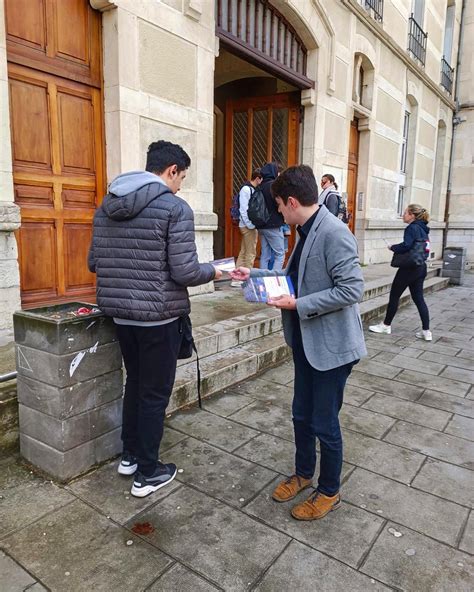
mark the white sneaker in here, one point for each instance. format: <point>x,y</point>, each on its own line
<point>236,284</point>
<point>425,335</point>
<point>381,328</point>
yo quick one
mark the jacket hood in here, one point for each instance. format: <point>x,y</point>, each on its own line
<point>423,225</point>
<point>130,193</point>
<point>269,171</point>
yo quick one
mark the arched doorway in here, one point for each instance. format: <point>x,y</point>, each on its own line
<point>55,87</point>
<point>259,74</point>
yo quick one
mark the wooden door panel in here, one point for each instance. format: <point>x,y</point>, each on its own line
<point>34,196</point>
<point>77,238</point>
<point>54,70</point>
<point>61,37</point>
<point>258,130</point>
<point>78,198</point>
<point>37,250</point>
<point>352,168</point>
<point>26,23</point>
<point>30,124</point>
<point>76,133</point>
<point>72,47</point>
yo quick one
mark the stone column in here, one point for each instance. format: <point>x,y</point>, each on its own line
<point>70,388</point>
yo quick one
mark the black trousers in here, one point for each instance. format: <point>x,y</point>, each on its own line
<point>411,278</point>
<point>150,355</point>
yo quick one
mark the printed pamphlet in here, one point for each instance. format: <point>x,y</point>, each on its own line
<point>224,264</point>
<point>260,289</point>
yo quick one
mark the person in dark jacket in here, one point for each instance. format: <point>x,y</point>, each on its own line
<point>409,277</point>
<point>143,253</point>
<point>272,240</point>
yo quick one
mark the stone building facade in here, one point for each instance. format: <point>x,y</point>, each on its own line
<point>329,83</point>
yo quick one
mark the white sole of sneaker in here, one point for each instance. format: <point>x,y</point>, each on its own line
<point>144,491</point>
<point>131,470</point>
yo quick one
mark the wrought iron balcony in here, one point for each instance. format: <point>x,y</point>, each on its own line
<point>417,41</point>
<point>375,7</point>
<point>447,76</point>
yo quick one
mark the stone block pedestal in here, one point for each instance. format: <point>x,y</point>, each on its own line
<point>70,387</point>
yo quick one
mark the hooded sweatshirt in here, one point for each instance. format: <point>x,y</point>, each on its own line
<point>143,251</point>
<point>269,174</point>
<point>415,230</point>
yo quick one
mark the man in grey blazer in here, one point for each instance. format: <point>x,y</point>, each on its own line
<point>322,325</point>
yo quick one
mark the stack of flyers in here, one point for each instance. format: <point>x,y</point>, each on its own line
<point>224,264</point>
<point>260,289</point>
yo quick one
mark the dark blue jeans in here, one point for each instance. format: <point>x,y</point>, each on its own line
<point>150,355</point>
<point>317,401</point>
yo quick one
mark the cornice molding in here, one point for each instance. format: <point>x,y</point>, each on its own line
<point>102,5</point>
<point>377,30</point>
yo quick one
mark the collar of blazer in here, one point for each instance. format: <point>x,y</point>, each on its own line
<point>322,215</point>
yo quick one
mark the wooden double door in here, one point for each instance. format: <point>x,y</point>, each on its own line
<point>54,72</point>
<point>352,170</point>
<point>258,130</point>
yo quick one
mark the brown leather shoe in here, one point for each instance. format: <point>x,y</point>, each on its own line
<point>288,489</point>
<point>316,506</point>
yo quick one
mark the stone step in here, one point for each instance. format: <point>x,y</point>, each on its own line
<point>380,286</point>
<point>369,309</point>
<point>232,350</point>
<point>226,368</point>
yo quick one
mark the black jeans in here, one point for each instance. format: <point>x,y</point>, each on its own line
<point>411,278</point>
<point>317,401</point>
<point>150,355</point>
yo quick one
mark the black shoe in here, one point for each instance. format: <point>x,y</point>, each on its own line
<point>143,486</point>
<point>128,465</point>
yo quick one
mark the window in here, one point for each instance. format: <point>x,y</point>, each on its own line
<point>416,36</point>
<point>406,127</point>
<point>447,73</point>
<point>401,200</point>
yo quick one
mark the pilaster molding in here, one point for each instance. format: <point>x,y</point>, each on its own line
<point>332,45</point>
<point>193,9</point>
<point>10,218</point>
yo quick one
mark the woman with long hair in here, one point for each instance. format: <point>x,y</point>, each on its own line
<point>409,277</point>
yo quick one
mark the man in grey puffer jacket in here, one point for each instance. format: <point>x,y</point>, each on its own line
<point>143,252</point>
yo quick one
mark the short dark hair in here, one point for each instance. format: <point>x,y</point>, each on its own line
<point>162,155</point>
<point>256,174</point>
<point>298,182</point>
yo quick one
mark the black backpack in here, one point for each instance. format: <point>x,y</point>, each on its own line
<point>258,212</point>
<point>342,212</point>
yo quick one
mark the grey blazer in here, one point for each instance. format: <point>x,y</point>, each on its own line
<point>330,285</point>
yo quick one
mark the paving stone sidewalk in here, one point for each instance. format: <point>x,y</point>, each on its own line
<point>406,522</point>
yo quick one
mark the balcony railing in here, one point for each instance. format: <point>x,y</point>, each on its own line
<point>417,41</point>
<point>447,76</point>
<point>375,7</point>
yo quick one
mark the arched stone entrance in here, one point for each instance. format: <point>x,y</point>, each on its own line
<point>260,72</point>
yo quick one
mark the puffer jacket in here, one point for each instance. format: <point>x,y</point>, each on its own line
<point>143,251</point>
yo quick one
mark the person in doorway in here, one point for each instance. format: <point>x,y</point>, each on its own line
<point>249,235</point>
<point>322,326</point>
<point>409,277</point>
<point>329,195</point>
<point>143,253</point>
<point>272,241</point>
